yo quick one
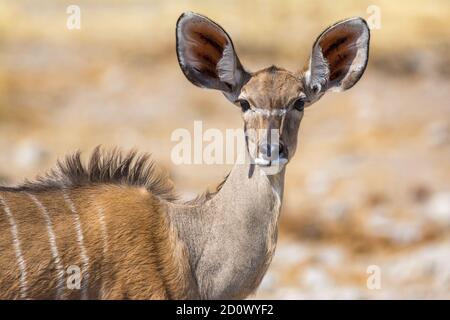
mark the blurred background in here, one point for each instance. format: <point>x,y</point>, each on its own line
<point>370,184</point>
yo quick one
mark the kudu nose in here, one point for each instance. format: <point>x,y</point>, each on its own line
<point>272,151</point>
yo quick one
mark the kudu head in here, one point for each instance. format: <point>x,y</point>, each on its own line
<point>271,100</point>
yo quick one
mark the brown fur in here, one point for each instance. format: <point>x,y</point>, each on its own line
<point>118,219</point>
<point>261,86</point>
<point>154,263</point>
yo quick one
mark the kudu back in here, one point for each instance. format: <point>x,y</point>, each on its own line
<point>114,229</point>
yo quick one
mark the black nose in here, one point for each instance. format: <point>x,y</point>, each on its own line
<point>272,151</point>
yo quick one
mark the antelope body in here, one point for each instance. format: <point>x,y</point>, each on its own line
<point>118,222</point>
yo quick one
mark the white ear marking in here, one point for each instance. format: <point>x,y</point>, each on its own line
<point>342,73</point>
<point>227,65</point>
<point>319,70</point>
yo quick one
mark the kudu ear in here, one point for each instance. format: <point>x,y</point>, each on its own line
<point>206,55</point>
<point>339,57</point>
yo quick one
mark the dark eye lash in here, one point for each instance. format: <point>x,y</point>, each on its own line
<point>299,104</point>
<point>245,105</point>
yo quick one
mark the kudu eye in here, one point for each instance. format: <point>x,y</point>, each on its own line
<point>244,105</point>
<point>299,104</point>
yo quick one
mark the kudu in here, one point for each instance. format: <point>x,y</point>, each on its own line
<point>119,222</point>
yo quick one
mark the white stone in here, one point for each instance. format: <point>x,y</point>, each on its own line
<point>28,154</point>
<point>289,254</point>
<point>438,208</point>
<point>316,279</point>
<point>318,182</point>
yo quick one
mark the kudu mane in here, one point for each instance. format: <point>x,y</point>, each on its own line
<point>108,167</point>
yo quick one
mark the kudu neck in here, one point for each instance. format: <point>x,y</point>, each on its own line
<point>232,236</point>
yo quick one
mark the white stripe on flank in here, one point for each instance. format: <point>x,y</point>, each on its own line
<point>101,219</point>
<point>53,247</point>
<point>80,239</point>
<point>104,230</point>
<point>17,249</point>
